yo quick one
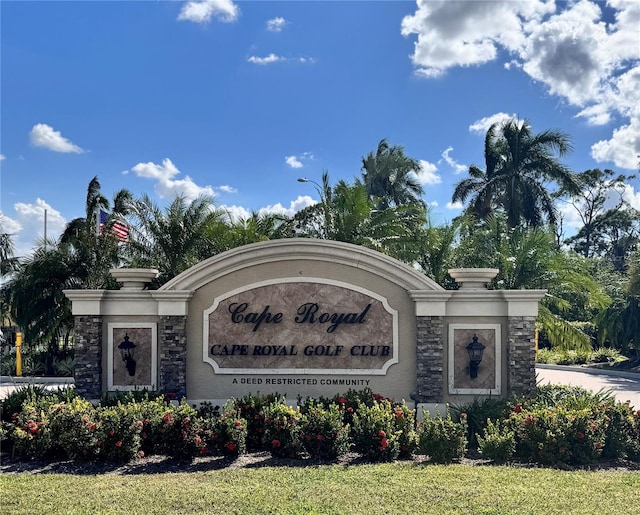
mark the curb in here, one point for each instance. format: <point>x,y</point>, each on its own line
<point>588,370</point>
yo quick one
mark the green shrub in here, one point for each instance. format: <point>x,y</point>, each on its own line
<point>622,436</point>
<point>374,431</point>
<point>322,432</point>
<point>31,434</point>
<point>478,412</point>
<point>120,427</point>
<point>176,431</point>
<point>74,427</point>
<point>283,426</point>
<point>441,438</point>
<point>13,402</point>
<point>404,424</point>
<point>151,412</point>
<point>64,367</point>
<point>225,433</point>
<point>559,435</point>
<point>607,355</point>
<point>571,397</point>
<point>498,442</point>
<point>252,409</point>
<point>547,356</point>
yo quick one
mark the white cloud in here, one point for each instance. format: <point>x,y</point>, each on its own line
<point>271,58</point>
<point>227,189</point>
<point>2,157</point>
<point>235,213</point>
<point>588,61</point>
<point>293,162</point>
<point>466,33</point>
<point>168,187</point>
<point>276,24</point>
<point>296,205</point>
<point>428,174</point>
<point>457,167</point>
<point>455,205</point>
<point>297,161</point>
<point>28,225</point>
<point>43,135</point>
<point>201,11</point>
<point>632,197</point>
<point>623,148</point>
<point>482,125</point>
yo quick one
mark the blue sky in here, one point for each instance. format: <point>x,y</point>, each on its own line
<point>239,99</point>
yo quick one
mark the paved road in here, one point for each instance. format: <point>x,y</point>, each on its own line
<point>625,387</point>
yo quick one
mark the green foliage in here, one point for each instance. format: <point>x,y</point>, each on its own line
<point>622,435</point>
<point>498,442</point>
<point>252,408</point>
<point>120,427</point>
<point>404,427</point>
<point>13,402</point>
<point>226,433</point>
<point>74,428</point>
<point>478,412</point>
<point>571,397</point>
<point>31,435</point>
<point>323,433</point>
<point>374,431</point>
<point>283,428</point>
<point>441,438</point>
<point>559,435</point>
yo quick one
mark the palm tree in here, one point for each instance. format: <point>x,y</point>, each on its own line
<point>171,240</point>
<point>529,258</point>
<point>518,164</point>
<point>347,213</point>
<point>390,176</point>
<point>80,258</point>
<point>8,262</point>
<point>227,233</point>
<point>97,250</point>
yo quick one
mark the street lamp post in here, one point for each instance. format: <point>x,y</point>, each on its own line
<point>323,201</point>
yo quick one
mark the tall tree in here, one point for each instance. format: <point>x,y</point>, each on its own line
<point>81,258</point>
<point>599,188</point>
<point>8,262</point>
<point>390,176</point>
<point>172,239</point>
<point>520,167</point>
<point>346,213</point>
<point>528,258</point>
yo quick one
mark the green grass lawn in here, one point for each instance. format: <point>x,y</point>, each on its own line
<point>395,488</point>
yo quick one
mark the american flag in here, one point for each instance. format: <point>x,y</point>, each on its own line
<point>119,229</point>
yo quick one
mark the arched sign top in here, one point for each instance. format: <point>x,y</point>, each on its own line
<point>273,251</point>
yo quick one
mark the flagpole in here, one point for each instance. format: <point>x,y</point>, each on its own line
<point>45,230</point>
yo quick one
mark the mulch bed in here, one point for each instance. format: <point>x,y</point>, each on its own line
<point>164,464</point>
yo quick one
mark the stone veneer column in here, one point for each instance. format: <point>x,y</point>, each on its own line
<point>521,355</point>
<point>87,372</point>
<point>172,348</point>
<point>430,359</point>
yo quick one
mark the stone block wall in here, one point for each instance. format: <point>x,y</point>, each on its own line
<point>87,372</point>
<point>172,351</point>
<point>430,359</point>
<point>521,355</point>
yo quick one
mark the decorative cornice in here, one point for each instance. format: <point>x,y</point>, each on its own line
<point>298,249</point>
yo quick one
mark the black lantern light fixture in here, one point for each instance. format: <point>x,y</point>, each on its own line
<point>127,351</point>
<point>475,350</point>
